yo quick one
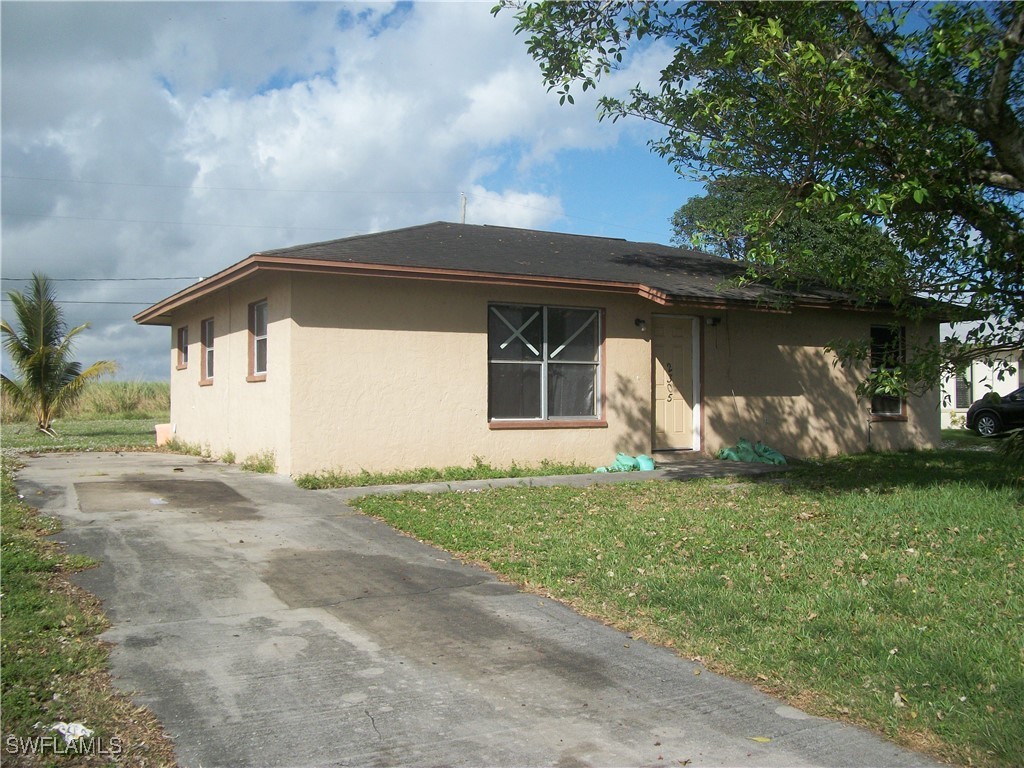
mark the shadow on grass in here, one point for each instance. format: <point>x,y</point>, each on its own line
<point>914,469</point>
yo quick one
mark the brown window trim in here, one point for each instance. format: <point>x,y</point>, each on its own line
<point>252,378</point>
<point>548,424</point>
<point>182,361</point>
<point>876,418</point>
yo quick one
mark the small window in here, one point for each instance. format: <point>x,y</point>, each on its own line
<point>544,363</point>
<point>887,353</point>
<point>964,391</point>
<point>182,347</point>
<point>207,342</point>
<point>258,341</point>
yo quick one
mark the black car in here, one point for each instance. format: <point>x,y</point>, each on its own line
<point>993,414</point>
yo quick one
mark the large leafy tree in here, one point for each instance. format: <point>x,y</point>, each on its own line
<point>718,222</point>
<point>41,351</point>
<point>906,117</point>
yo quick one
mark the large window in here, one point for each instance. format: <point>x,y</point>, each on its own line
<point>544,363</point>
<point>206,376</point>
<point>258,341</point>
<point>182,347</point>
<point>887,354</point>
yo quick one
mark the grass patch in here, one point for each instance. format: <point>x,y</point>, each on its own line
<point>54,666</point>
<point>82,435</point>
<point>885,590</point>
<point>176,445</point>
<point>965,438</point>
<point>479,471</point>
<point>263,463</point>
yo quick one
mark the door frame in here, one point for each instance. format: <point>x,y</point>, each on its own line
<point>696,329</point>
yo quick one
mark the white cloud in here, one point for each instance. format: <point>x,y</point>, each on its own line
<point>145,139</point>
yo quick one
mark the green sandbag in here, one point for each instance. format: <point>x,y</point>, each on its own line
<point>750,453</point>
<point>769,455</point>
<point>624,463</point>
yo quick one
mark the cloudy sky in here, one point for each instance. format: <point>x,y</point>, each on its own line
<point>170,140</point>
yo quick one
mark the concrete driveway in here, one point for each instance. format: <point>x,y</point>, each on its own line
<point>270,626</point>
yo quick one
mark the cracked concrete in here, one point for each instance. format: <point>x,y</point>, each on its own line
<point>270,626</point>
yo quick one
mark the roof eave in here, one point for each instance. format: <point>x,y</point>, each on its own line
<point>161,313</point>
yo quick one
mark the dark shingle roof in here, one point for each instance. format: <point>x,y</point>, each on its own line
<point>681,274</point>
<point>475,253</point>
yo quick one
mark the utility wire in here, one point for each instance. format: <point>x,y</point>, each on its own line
<point>490,195</point>
<point>236,189</point>
<point>175,223</point>
<point>98,279</point>
<point>132,303</point>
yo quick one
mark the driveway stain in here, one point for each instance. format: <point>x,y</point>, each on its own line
<point>434,615</point>
<point>210,498</point>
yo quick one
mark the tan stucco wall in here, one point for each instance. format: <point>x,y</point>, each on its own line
<point>768,377</point>
<point>232,414</point>
<point>384,374</point>
<point>405,364</point>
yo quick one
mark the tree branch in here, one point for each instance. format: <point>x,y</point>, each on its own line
<point>1001,129</point>
<point>1000,84</point>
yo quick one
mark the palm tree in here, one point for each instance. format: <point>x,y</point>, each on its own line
<point>50,380</point>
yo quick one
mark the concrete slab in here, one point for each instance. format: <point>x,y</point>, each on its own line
<point>270,626</point>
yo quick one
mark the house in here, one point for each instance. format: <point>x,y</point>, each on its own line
<point>1001,374</point>
<point>435,344</point>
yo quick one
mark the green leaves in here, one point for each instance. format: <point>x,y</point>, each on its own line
<point>904,118</point>
<point>41,351</point>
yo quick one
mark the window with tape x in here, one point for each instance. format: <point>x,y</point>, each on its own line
<point>543,362</point>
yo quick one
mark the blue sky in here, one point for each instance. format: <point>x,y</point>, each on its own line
<point>170,140</point>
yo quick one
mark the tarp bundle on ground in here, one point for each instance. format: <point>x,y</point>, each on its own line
<point>749,452</point>
<point>626,463</point>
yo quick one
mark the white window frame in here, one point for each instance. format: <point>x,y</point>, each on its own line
<point>546,357</point>
<point>206,329</point>
<point>255,310</point>
<point>181,344</point>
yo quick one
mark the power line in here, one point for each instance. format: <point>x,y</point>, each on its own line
<point>132,303</point>
<point>98,279</point>
<point>235,189</point>
<point>175,223</point>
<point>490,195</point>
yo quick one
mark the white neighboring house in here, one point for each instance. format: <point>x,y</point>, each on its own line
<point>984,376</point>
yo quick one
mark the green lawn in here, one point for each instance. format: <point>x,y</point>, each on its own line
<point>479,471</point>
<point>74,435</point>
<point>54,664</point>
<point>881,589</point>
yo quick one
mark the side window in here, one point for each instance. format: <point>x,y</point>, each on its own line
<point>887,354</point>
<point>964,390</point>
<point>207,343</point>
<point>258,341</point>
<point>182,347</point>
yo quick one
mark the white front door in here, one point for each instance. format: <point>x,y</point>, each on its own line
<point>674,383</point>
